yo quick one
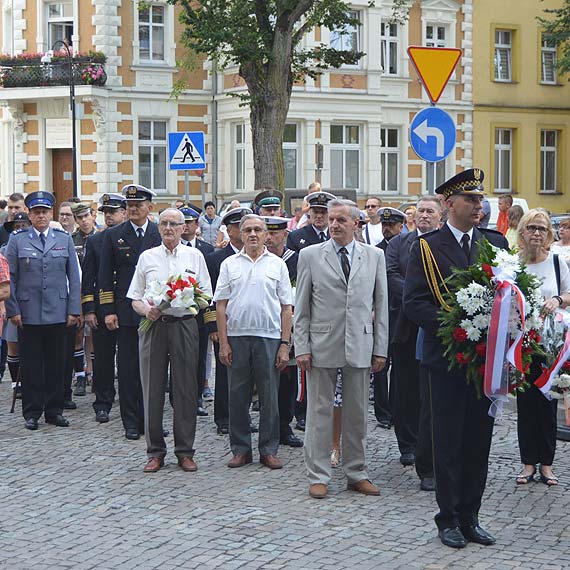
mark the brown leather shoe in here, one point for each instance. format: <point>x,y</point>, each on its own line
<point>271,461</point>
<point>365,487</point>
<point>240,460</point>
<point>153,464</point>
<point>318,490</point>
<point>187,464</point>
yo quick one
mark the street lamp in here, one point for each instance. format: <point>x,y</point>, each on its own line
<point>65,46</point>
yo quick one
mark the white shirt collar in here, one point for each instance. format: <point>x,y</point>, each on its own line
<point>458,234</point>
<point>264,253</point>
<point>318,232</point>
<point>45,232</point>
<point>236,250</point>
<point>144,227</point>
<point>174,252</point>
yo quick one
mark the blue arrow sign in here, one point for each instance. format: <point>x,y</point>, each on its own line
<point>432,134</point>
<point>186,151</point>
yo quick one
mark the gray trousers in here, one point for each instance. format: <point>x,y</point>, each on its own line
<point>319,429</point>
<point>253,362</point>
<point>175,342</point>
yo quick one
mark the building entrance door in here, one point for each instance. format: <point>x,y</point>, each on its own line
<point>62,165</point>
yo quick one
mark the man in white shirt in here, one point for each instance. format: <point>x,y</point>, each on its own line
<point>253,300</point>
<point>173,338</point>
<point>372,233</point>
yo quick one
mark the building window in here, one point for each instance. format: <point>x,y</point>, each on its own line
<point>548,160</point>
<point>239,157</point>
<point>389,160</point>
<point>503,160</point>
<point>345,156</point>
<point>548,62</point>
<point>503,55</point>
<point>290,155</point>
<point>389,48</point>
<point>59,22</point>
<point>436,36</point>
<point>347,38</point>
<point>435,175</point>
<point>151,33</point>
<point>152,154</point>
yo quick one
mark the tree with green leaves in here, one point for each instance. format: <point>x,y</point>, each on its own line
<point>264,38</point>
<point>557,31</point>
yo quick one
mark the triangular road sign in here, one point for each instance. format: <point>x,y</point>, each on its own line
<point>186,151</point>
<point>434,66</point>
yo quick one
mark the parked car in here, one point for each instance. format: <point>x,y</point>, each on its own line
<point>556,219</point>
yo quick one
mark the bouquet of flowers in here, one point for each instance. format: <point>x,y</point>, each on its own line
<point>491,321</point>
<point>176,293</point>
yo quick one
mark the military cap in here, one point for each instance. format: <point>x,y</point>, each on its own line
<point>39,199</point>
<point>189,213</point>
<point>18,217</point>
<point>275,222</point>
<point>362,221</point>
<point>319,199</point>
<point>137,193</point>
<point>81,208</point>
<point>469,182</point>
<point>111,201</point>
<point>268,198</point>
<point>391,215</point>
<point>235,215</point>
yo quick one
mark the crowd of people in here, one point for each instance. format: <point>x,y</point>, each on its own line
<point>316,315</point>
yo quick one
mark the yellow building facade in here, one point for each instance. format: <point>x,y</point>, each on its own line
<point>521,116</point>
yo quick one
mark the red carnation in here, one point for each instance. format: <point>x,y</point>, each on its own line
<point>488,269</point>
<point>481,349</point>
<point>566,365</point>
<point>481,370</point>
<point>460,335</point>
<point>462,358</point>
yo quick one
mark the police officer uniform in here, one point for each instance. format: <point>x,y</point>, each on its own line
<point>45,291</point>
<point>104,340</point>
<point>462,428</point>
<point>120,252</point>
<point>213,262</point>
<point>270,201</point>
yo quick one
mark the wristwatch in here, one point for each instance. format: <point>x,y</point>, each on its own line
<point>285,342</point>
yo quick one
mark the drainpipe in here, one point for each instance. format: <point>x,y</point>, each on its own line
<point>214,132</point>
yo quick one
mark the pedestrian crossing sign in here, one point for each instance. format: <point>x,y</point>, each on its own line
<point>186,151</point>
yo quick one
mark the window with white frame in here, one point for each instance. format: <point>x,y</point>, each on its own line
<point>436,36</point>
<point>389,48</point>
<point>389,159</point>
<point>548,62</point>
<point>151,32</point>
<point>59,22</point>
<point>347,38</point>
<point>503,160</point>
<point>548,160</point>
<point>435,175</point>
<point>152,154</point>
<point>239,156</point>
<point>345,156</point>
<point>503,55</point>
<point>290,154</point>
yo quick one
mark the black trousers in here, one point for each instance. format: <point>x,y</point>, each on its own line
<point>221,394</point>
<point>42,365</point>
<point>382,399</point>
<point>536,423</point>
<point>202,358</point>
<point>424,445</point>
<point>462,431</point>
<point>69,348</point>
<point>286,399</point>
<point>130,388</point>
<point>105,345</point>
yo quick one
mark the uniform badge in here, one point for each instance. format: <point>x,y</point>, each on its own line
<point>121,241</point>
<point>301,241</point>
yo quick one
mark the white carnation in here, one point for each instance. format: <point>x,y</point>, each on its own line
<point>481,321</point>
<point>507,262</point>
<point>473,334</point>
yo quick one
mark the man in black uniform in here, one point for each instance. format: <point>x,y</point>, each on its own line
<point>462,428</point>
<point>213,261</point>
<point>113,207</point>
<point>120,252</point>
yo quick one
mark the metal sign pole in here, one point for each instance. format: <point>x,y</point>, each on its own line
<point>203,188</point>
<point>186,187</point>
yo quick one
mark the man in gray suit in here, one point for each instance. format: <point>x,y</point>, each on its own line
<point>341,286</point>
<point>44,300</point>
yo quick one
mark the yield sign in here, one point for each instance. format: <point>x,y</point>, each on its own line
<point>434,66</point>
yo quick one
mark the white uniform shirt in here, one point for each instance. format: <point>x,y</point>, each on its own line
<point>255,291</point>
<point>373,233</point>
<point>159,263</point>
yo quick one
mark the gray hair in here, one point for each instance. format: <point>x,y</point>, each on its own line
<point>169,210</point>
<point>353,209</point>
<point>252,217</point>
<point>433,199</point>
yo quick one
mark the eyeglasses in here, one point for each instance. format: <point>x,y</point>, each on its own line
<point>532,229</point>
<point>372,206</point>
<point>170,224</point>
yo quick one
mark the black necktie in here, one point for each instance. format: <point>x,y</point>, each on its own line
<point>140,233</point>
<point>323,236</point>
<point>344,263</point>
<point>43,239</point>
<point>465,244</point>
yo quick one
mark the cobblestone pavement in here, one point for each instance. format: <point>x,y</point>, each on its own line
<point>77,498</point>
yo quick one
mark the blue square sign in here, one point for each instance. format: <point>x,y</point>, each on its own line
<point>186,151</point>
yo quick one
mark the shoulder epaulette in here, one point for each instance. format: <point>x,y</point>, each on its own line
<point>490,231</point>
<point>60,230</point>
<point>19,231</point>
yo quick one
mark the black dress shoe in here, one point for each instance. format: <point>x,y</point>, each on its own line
<point>69,405</point>
<point>165,432</point>
<point>407,459</point>
<point>291,440</point>
<point>58,421</point>
<point>255,406</point>
<point>478,535</point>
<point>202,412</point>
<point>132,433</point>
<point>385,424</point>
<point>452,537</point>
<point>222,430</point>
<point>427,484</point>
<point>253,428</point>
<point>102,416</point>
<point>32,424</point>
<point>300,425</point>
